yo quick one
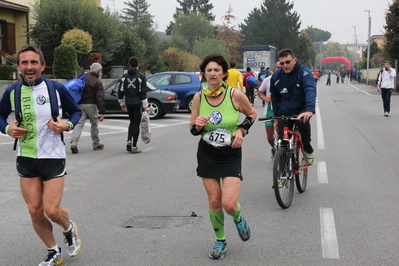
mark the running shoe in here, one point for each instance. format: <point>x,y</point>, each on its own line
<point>74,149</point>
<point>129,145</point>
<point>309,157</point>
<point>386,114</point>
<point>72,240</point>
<point>218,250</point>
<point>135,150</point>
<point>244,230</point>
<point>53,258</point>
<point>99,147</point>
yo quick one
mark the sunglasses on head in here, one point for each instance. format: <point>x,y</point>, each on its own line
<point>286,62</point>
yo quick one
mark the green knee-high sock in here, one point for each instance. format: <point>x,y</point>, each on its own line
<point>217,221</point>
<point>237,215</point>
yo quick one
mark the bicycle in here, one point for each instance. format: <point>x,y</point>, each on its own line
<point>289,163</point>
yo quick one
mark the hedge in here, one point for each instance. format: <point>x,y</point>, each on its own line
<point>7,72</point>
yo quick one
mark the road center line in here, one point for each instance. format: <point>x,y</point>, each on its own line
<point>322,172</point>
<point>320,134</point>
<point>329,241</point>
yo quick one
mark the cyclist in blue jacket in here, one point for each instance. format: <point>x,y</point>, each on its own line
<point>293,92</point>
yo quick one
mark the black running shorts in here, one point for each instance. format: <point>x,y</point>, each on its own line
<point>46,169</point>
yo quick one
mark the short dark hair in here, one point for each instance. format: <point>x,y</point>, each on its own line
<point>218,59</point>
<point>32,48</point>
<point>262,67</point>
<point>233,63</point>
<point>133,61</point>
<point>286,52</point>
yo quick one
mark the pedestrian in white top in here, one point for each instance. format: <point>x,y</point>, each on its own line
<point>386,84</point>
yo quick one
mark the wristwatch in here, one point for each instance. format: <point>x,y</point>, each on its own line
<point>70,128</point>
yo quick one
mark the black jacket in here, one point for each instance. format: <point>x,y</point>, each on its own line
<point>133,87</point>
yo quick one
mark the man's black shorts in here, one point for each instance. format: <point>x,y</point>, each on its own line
<point>46,169</point>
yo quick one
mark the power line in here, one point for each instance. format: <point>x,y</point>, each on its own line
<point>349,28</point>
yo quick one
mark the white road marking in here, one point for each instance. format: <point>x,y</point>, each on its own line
<point>365,92</point>
<point>329,241</point>
<point>320,134</point>
<point>322,173</point>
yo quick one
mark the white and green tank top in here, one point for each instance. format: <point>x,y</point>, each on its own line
<point>223,120</point>
<point>40,142</point>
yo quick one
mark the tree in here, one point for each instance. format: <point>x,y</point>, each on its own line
<point>392,30</point>
<point>318,35</point>
<point>82,42</point>
<point>227,33</point>
<point>306,53</point>
<point>129,44</point>
<point>141,22</point>
<point>207,46</point>
<point>187,7</point>
<point>65,64</point>
<point>193,27</point>
<point>53,18</point>
<point>274,23</point>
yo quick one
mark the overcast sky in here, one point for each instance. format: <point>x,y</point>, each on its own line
<point>336,16</point>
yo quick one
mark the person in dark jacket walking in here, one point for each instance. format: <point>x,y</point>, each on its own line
<point>132,96</point>
<point>293,92</point>
<point>92,105</point>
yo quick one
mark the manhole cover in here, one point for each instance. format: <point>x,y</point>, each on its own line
<point>162,222</point>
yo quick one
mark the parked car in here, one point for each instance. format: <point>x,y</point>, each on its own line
<point>185,84</point>
<point>159,102</point>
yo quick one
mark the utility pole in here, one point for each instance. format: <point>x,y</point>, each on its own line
<point>368,48</point>
<point>355,46</point>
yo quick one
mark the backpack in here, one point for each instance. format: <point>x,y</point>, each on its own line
<point>251,80</point>
<point>53,104</point>
<point>76,87</point>
<point>263,76</point>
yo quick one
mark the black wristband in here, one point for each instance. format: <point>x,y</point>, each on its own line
<point>247,123</point>
<point>194,131</point>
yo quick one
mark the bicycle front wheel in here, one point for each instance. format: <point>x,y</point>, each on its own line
<point>301,171</point>
<point>283,180</point>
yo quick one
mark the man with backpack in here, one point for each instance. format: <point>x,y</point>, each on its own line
<point>250,82</point>
<point>93,108</point>
<point>41,150</point>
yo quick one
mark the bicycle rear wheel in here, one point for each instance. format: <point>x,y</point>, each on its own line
<point>301,169</point>
<point>283,180</point>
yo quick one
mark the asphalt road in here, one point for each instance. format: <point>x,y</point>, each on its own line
<point>347,216</point>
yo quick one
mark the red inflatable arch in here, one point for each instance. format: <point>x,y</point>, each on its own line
<point>337,58</point>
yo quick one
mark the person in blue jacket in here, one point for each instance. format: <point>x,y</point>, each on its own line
<point>293,92</point>
<point>41,150</point>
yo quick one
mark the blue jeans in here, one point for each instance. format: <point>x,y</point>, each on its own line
<point>386,99</point>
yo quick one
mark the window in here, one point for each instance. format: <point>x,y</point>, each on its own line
<point>161,80</point>
<point>7,37</point>
<point>183,79</point>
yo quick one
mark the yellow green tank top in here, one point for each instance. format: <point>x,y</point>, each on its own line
<point>223,120</point>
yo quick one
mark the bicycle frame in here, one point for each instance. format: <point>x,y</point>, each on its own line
<point>291,138</point>
<point>290,165</point>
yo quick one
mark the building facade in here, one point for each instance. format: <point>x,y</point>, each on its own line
<point>14,22</point>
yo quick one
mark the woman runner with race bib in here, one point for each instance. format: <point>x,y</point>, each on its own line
<point>215,114</point>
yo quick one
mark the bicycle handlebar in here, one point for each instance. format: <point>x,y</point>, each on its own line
<point>283,117</point>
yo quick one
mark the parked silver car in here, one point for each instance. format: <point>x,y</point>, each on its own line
<point>159,102</point>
